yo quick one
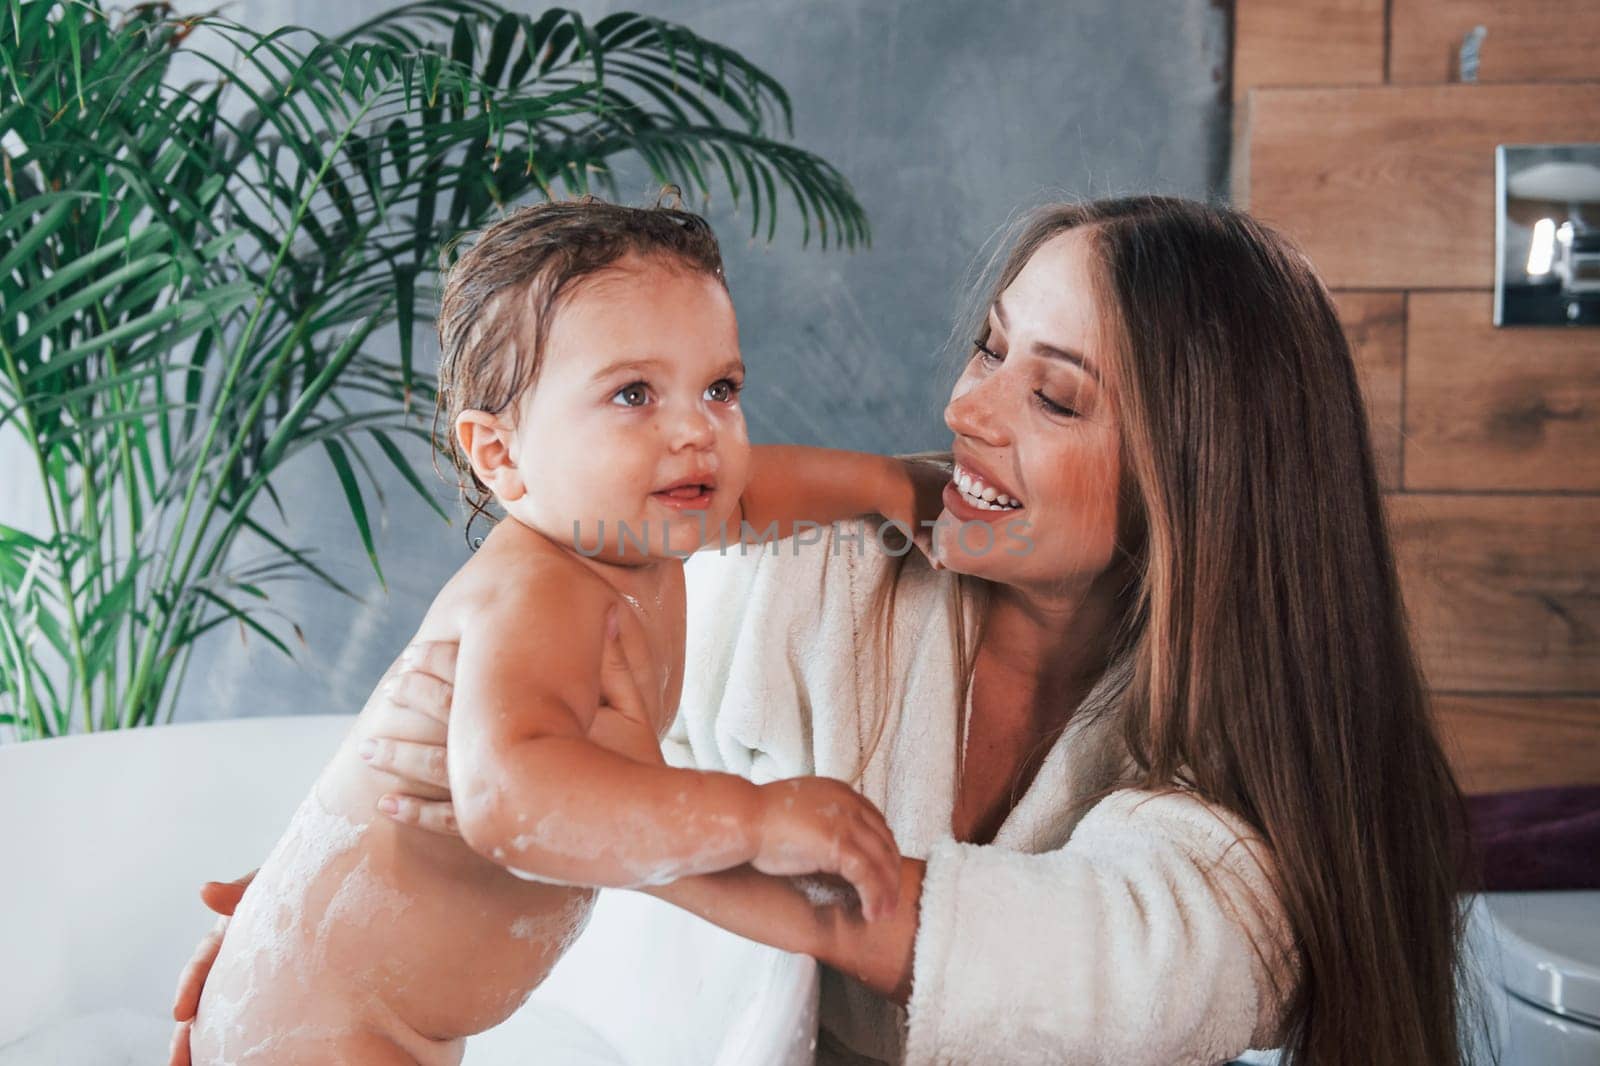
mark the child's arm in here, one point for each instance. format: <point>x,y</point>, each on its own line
<point>532,790</point>
<point>793,487</point>
<point>535,793</point>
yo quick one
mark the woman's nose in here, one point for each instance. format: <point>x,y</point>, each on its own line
<point>976,412</point>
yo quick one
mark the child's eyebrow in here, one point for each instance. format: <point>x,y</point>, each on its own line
<point>732,366</point>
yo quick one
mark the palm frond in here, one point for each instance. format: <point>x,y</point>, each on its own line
<point>191,275</point>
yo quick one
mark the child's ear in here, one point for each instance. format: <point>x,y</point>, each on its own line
<point>487,442</point>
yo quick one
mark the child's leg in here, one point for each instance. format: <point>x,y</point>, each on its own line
<point>359,1047</point>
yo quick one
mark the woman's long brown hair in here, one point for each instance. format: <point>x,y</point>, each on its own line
<point>1264,659</point>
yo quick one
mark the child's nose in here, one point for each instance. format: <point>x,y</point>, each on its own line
<point>693,429</point>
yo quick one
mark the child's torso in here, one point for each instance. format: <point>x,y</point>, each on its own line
<point>372,925</point>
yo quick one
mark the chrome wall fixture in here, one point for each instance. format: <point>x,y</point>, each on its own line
<point>1547,235</point>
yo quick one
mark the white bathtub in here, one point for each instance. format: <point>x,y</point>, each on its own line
<point>104,840</point>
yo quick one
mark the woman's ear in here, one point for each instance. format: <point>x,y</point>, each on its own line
<point>487,442</point>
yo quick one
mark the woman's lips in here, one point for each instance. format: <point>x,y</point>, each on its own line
<point>957,505</point>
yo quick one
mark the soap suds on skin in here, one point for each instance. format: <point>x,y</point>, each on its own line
<point>271,914</point>
<point>558,929</point>
<point>719,836</point>
<point>822,891</point>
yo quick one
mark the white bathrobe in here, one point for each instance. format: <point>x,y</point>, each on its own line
<point>1123,936</point>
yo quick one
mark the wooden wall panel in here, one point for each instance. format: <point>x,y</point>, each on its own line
<point>1393,188</point>
<point>1528,40</point>
<point>1499,744</point>
<point>1375,322</point>
<point>1488,408</point>
<point>1503,591</point>
<point>1306,42</point>
<point>1350,137</point>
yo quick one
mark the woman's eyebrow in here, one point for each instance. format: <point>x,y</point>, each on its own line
<point>1051,351</point>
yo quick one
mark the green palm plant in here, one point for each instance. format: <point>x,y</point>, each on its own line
<point>191,276</point>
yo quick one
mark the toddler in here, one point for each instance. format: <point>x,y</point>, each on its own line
<point>590,371</point>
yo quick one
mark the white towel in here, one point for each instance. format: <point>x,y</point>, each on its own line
<point>1121,936</point>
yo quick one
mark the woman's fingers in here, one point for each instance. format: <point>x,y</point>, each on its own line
<point>186,1000</point>
<point>419,680</point>
<point>423,691</point>
<point>224,896</point>
<point>436,657</point>
<point>436,816</point>
<point>408,759</point>
<point>178,1050</point>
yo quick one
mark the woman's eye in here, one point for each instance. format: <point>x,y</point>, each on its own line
<point>634,395</point>
<point>1054,408</point>
<point>987,354</point>
<point>724,391</point>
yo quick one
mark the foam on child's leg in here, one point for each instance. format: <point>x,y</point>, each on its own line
<point>362,898</point>
<point>271,919</point>
<point>558,929</point>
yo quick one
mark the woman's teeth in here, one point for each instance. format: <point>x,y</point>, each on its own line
<point>984,497</point>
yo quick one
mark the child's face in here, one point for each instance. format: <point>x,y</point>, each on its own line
<point>637,395</point>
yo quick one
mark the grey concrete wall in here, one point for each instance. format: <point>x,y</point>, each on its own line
<point>948,116</point>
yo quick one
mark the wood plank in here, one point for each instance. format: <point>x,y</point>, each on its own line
<point>1306,42</point>
<point>1375,324</point>
<point>1393,188</point>
<point>1503,591</point>
<point>1530,40</point>
<point>1487,408</point>
<point>1499,744</point>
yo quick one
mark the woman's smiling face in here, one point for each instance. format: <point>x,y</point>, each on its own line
<point>1035,421</point>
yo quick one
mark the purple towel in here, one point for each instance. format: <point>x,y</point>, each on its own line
<point>1540,839</point>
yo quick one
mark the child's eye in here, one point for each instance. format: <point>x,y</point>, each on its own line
<point>724,391</point>
<point>636,394</point>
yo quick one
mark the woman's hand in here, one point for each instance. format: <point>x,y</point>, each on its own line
<point>424,682</point>
<point>222,897</point>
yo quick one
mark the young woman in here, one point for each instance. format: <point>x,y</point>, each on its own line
<point>1165,776</point>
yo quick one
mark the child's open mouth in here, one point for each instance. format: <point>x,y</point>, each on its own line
<point>688,496</point>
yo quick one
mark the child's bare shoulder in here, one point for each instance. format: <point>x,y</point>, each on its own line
<point>518,573</point>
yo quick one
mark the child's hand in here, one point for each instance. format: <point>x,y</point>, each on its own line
<point>927,485</point>
<point>819,825</point>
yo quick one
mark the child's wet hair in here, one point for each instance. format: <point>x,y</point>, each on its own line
<point>501,294</point>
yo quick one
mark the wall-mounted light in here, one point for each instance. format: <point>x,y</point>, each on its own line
<point>1543,250</point>
<point>1547,235</point>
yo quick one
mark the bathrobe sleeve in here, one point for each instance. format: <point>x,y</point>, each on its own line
<point>1133,944</point>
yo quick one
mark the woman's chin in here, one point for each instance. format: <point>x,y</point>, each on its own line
<point>981,549</point>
